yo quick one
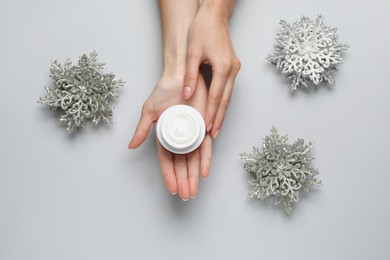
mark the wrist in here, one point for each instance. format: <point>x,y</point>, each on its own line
<point>175,51</point>
<point>174,71</point>
<point>221,8</point>
<point>174,65</point>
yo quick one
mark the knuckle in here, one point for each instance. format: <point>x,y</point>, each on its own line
<point>237,65</point>
<point>144,108</point>
<point>193,53</point>
<point>217,97</point>
<point>147,110</point>
<point>143,131</point>
<point>225,66</point>
<point>226,101</point>
<point>189,76</point>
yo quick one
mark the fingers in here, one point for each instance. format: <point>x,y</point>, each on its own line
<point>220,93</point>
<point>167,168</point>
<point>193,161</point>
<point>215,96</point>
<point>205,156</point>
<point>142,130</point>
<point>180,172</point>
<point>223,106</point>
<point>191,74</point>
<point>180,165</point>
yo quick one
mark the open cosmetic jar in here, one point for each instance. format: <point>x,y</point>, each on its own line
<point>181,129</point>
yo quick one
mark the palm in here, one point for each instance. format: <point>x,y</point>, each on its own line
<point>180,172</point>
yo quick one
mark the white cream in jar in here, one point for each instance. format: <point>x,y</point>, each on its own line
<point>181,129</point>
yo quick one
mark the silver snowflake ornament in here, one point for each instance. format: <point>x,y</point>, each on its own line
<point>81,91</point>
<point>281,170</point>
<point>307,51</point>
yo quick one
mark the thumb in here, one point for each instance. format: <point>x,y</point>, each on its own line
<point>191,76</point>
<point>142,131</point>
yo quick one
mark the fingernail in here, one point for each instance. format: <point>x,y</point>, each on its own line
<point>193,197</point>
<point>204,174</point>
<point>185,199</point>
<point>174,193</point>
<point>209,127</point>
<point>187,92</point>
<point>216,134</point>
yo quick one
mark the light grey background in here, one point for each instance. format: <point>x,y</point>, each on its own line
<point>88,197</point>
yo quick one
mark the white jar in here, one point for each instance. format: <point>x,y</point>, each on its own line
<point>181,129</point>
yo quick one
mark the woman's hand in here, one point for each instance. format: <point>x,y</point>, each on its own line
<point>209,42</point>
<point>180,172</point>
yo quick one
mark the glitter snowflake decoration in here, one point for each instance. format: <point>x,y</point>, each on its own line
<point>281,170</point>
<point>82,91</point>
<point>307,51</point>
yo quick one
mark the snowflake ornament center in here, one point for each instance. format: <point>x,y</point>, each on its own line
<point>308,51</point>
<point>283,168</point>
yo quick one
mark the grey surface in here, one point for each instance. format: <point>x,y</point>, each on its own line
<point>88,197</point>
